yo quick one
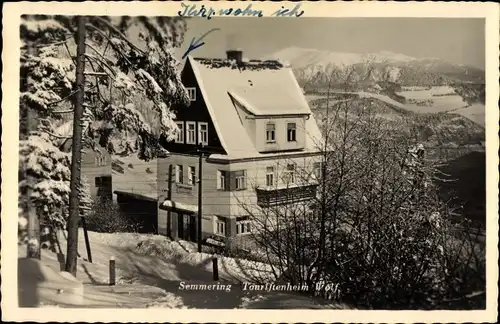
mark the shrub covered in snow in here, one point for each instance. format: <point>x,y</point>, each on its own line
<point>105,217</point>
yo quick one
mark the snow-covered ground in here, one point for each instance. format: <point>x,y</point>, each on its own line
<point>437,101</point>
<point>150,269</point>
<point>443,99</point>
<point>475,112</point>
<point>440,99</point>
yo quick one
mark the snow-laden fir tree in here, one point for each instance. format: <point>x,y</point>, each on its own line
<point>133,62</point>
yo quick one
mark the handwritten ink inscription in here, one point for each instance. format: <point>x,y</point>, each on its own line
<point>195,43</point>
<point>209,12</point>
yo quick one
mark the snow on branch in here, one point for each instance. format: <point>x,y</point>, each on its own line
<point>123,81</point>
<point>150,81</point>
<point>42,30</point>
<point>50,168</point>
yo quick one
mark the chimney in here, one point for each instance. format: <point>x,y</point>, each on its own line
<point>236,54</point>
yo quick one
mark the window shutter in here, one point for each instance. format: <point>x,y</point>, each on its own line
<point>227,179</point>
<point>232,180</point>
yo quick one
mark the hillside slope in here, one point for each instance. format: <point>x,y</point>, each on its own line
<point>313,68</point>
<point>435,130</point>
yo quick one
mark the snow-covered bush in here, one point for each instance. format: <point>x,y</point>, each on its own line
<point>105,217</point>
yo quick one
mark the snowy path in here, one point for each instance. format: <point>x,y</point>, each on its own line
<point>149,275</point>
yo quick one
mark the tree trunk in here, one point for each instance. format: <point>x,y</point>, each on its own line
<point>33,248</point>
<point>74,199</point>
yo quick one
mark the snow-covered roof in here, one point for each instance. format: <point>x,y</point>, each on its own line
<point>138,196</point>
<point>269,100</point>
<point>262,87</point>
<point>169,205</point>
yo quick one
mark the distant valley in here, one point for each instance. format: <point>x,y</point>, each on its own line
<point>419,85</point>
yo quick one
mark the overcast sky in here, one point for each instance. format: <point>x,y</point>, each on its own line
<point>457,40</point>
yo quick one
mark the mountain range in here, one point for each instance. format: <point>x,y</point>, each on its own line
<point>313,68</point>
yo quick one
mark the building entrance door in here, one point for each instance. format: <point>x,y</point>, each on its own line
<point>187,227</point>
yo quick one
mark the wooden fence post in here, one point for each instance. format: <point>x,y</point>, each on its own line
<point>215,268</point>
<point>112,271</point>
<point>87,241</point>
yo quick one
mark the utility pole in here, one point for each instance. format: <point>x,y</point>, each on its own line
<point>200,187</point>
<point>169,198</point>
<point>76,156</point>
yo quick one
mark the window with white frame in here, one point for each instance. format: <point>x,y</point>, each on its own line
<point>220,226</point>
<point>240,181</point>
<point>192,175</point>
<point>317,169</point>
<point>291,132</point>
<point>180,134</point>
<point>289,175</point>
<point>191,93</point>
<point>221,180</point>
<point>270,176</point>
<point>243,225</point>
<point>178,174</point>
<point>203,133</point>
<point>270,132</point>
<point>100,160</point>
<point>191,133</point>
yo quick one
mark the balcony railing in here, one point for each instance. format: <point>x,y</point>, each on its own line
<point>272,196</point>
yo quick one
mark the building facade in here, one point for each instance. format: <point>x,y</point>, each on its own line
<point>96,165</point>
<point>260,143</point>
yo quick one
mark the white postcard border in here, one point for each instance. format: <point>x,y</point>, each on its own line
<point>10,118</point>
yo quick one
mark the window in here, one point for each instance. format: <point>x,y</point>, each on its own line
<point>191,135</point>
<point>220,226</point>
<point>243,225</point>
<point>203,133</point>
<point>270,176</point>
<point>100,160</point>
<point>192,175</point>
<point>239,180</point>
<point>291,132</point>
<point>231,180</point>
<point>221,180</point>
<point>270,132</point>
<point>104,185</point>
<point>180,134</point>
<point>317,170</point>
<point>178,174</point>
<point>290,174</point>
<point>191,93</point>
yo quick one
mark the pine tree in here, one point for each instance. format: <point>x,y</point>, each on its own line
<point>121,72</point>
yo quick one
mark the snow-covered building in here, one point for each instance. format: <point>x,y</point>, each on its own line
<point>253,119</point>
<point>96,164</point>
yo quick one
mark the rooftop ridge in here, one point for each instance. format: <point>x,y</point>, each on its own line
<point>252,64</point>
